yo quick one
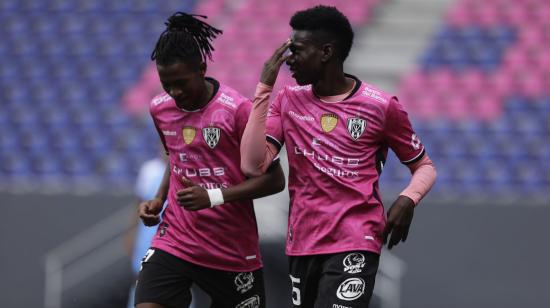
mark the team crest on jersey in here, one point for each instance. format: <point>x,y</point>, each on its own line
<point>329,122</point>
<point>211,136</point>
<point>253,302</point>
<point>244,282</point>
<point>354,263</point>
<point>356,127</point>
<point>189,134</point>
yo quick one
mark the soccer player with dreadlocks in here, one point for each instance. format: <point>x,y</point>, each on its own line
<point>337,131</point>
<point>208,235</point>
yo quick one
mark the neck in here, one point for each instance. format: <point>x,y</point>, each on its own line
<point>206,94</point>
<point>332,82</point>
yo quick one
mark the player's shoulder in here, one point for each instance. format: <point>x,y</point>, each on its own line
<point>231,98</point>
<point>159,101</point>
<point>373,94</point>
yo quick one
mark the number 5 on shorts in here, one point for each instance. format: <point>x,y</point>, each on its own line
<point>146,257</point>
<point>296,298</point>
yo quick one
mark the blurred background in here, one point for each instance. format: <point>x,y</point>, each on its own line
<point>474,75</point>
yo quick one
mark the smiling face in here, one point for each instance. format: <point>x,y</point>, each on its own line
<point>307,57</point>
<point>183,83</point>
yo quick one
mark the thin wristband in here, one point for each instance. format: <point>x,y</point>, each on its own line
<point>215,196</point>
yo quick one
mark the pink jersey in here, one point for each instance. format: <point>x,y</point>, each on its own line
<point>203,146</point>
<point>336,152</point>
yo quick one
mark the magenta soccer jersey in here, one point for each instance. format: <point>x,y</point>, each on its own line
<point>203,146</point>
<point>336,153</point>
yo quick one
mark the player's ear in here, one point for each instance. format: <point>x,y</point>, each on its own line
<point>202,69</point>
<point>327,52</point>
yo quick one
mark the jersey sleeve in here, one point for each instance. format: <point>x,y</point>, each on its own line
<point>161,135</point>
<point>399,134</point>
<point>274,127</point>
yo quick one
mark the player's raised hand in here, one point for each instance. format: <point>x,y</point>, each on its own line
<point>193,197</point>
<point>149,211</point>
<point>399,221</point>
<point>272,66</point>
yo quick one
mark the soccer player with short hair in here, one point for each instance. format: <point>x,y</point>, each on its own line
<point>208,235</point>
<point>337,130</point>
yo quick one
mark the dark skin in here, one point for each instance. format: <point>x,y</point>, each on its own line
<point>195,197</point>
<point>186,84</point>
<point>191,92</point>
<point>314,60</point>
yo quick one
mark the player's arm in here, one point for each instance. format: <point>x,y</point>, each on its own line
<point>195,197</point>
<point>149,211</point>
<point>401,212</point>
<point>408,148</point>
<point>257,153</point>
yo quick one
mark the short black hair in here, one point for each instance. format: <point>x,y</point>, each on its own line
<point>186,39</point>
<point>330,21</point>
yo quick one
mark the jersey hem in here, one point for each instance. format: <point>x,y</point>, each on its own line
<point>177,254</point>
<point>331,251</point>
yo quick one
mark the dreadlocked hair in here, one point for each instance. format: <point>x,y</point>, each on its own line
<point>186,38</point>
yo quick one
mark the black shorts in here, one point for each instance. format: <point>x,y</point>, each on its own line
<point>337,280</point>
<point>166,280</point>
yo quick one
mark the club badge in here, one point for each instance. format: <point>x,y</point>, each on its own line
<point>211,136</point>
<point>356,127</point>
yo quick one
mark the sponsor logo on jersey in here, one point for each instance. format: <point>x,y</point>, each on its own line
<point>354,263</point>
<point>189,134</point>
<point>244,282</point>
<point>253,302</point>
<point>329,122</point>
<point>356,127</point>
<point>315,155</point>
<point>168,133</point>
<point>185,157</point>
<point>192,172</point>
<point>374,94</point>
<point>339,306</point>
<point>299,88</point>
<point>351,289</point>
<point>211,136</point>
<point>319,141</point>
<point>300,117</point>
<point>227,100</point>
<point>161,99</point>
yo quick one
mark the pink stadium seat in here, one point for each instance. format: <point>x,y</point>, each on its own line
<point>472,82</point>
<point>430,107</point>
<point>515,58</point>
<point>441,80</point>
<point>517,15</point>
<point>414,81</point>
<point>457,106</point>
<point>458,17</point>
<point>487,107</point>
<point>504,81</point>
<point>488,15</point>
<point>531,84</point>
